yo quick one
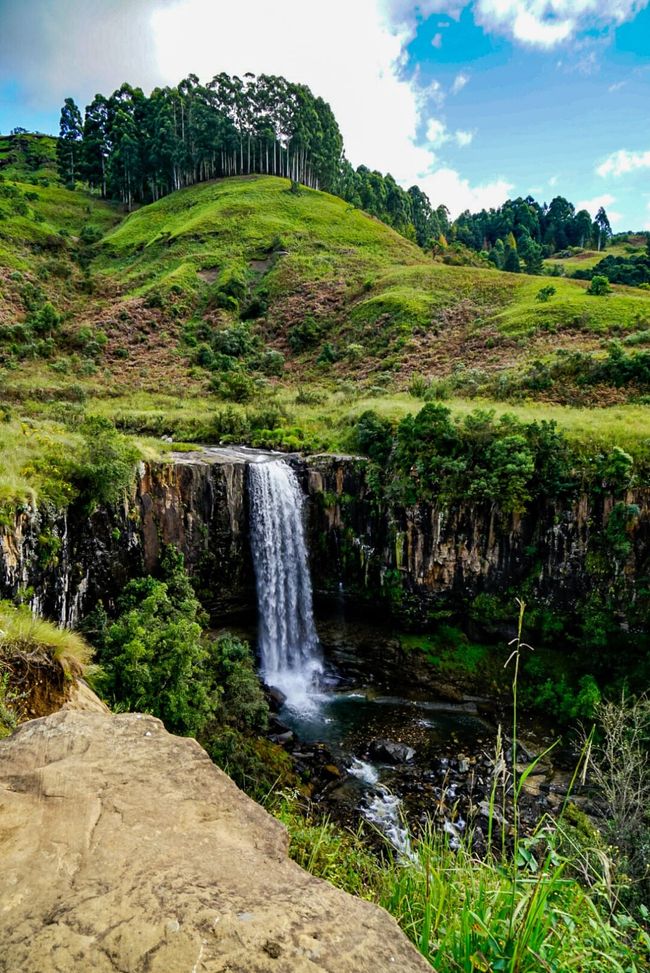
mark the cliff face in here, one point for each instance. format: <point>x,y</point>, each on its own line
<point>412,558</point>
<point>423,556</point>
<point>65,562</point>
<point>125,848</point>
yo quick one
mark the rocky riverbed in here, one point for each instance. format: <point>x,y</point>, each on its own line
<point>401,754</point>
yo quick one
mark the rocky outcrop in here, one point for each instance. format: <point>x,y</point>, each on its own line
<point>65,562</point>
<point>124,848</point>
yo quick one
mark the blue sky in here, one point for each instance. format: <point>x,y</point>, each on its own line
<point>475,101</point>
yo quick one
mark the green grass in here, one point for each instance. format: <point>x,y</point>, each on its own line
<point>231,222</point>
<point>36,458</point>
<point>471,914</point>
<point>625,425</point>
<point>587,259</point>
<point>23,632</point>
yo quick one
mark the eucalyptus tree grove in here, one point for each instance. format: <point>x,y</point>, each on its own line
<point>137,148</point>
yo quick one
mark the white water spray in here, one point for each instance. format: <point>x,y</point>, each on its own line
<point>288,643</point>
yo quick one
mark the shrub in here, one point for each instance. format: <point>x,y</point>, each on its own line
<point>153,657</point>
<point>599,286</point>
<point>108,464</point>
<point>234,386</point>
<point>419,386</point>
<point>235,342</point>
<point>544,294</point>
<point>304,335</point>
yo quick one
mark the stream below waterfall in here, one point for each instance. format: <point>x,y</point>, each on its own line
<point>369,742</point>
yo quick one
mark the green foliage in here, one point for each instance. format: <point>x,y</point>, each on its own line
<point>107,466</point>
<point>373,436</point>
<point>599,286</point>
<point>478,459</point>
<point>236,386</point>
<point>544,294</point>
<point>153,656</point>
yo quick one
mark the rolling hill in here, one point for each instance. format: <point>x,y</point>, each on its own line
<point>241,295</point>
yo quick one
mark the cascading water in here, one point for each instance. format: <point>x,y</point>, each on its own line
<point>288,643</point>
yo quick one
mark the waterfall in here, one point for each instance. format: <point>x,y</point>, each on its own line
<point>288,643</point>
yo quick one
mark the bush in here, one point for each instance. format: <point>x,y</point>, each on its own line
<point>235,342</point>
<point>234,386</point>
<point>599,286</point>
<point>304,335</point>
<point>153,657</point>
<point>544,294</point>
<point>107,467</point>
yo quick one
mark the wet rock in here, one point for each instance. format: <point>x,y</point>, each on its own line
<point>283,739</point>
<point>391,752</point>
<point>276,697</point>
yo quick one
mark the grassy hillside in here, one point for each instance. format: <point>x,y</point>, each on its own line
<point>633,246</point>
<point>239,309</point>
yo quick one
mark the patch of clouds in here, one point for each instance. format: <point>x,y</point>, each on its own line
<point>606,200</point>
<point>437,40</point>
<point>621,163</point>
<point>438,134</point>
<point>53,51</point>
<point>548,23</point>
<point>463,138</point>
<point>553,181</point>
<point>459,83</point>
<point>616,86</point>
<point>448,186</point>
<point>49,53</point>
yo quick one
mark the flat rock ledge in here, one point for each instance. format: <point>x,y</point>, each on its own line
<point>124,848</point>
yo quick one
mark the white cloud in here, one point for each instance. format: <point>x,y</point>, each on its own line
<point>377,109</point>
<point>463,138</point>
<point>553,181</point>
<point>459,83</point>
<point>616,86</point>
<point>606,200</point>
<point>623,162</point>
<point>446,185</point>
<point>547,23</point>
<point>437,40</point>
<point>438,134</point>
<point>360,70</point>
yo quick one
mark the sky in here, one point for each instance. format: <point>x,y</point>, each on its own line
<point>473,101</point>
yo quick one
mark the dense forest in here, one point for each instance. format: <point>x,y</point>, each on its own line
<point>525,230</point>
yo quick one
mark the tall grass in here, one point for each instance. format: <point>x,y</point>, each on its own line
<point>23,632</point>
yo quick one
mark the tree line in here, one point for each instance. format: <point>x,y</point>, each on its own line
<point>523,230</point>
<point>137,148</point>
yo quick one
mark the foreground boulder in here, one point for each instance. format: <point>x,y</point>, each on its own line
<point>124,848</point>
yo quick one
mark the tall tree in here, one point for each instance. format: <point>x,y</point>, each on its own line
<point>69,145</point>
<point>602,228</point>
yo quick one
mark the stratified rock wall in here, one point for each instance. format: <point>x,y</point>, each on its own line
<point>425,556</point>
<point>196,502</point>
<point>430,555</point>
<point>125,849</point>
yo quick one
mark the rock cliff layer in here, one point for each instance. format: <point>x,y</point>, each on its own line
<point>415,559</point>
<point>124,848</point>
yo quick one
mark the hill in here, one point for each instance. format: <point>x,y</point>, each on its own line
<point>241,298</point>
